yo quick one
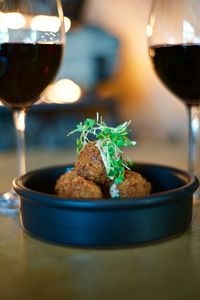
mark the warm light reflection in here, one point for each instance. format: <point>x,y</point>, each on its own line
<point>64,91</point>
<point>45,23</point>
<point>149,31</point>
<point>20,120</point>
<point>152,52</point>
<point>49,23</point>
<point>189,33</point>
<point>12,20</point>
<point>149,28</point>
<point>67,23</point>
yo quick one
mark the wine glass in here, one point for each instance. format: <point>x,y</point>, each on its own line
<point>32,38</point>
<point>173,34</point>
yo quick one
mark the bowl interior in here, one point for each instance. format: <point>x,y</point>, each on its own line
<point>162,178</point>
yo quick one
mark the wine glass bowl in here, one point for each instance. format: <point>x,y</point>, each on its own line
<point>178,67</point>
<point>28,68</point>
<point>174,47</point>
<point>32,38</point>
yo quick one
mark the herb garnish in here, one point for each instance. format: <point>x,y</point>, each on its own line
<point>109,141</point>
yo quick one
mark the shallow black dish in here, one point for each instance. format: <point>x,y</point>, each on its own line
<point>107,222</point>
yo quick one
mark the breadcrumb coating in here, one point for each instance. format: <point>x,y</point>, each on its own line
<point>71,185</point>
<point>134,185</point>
<point>90,164</point>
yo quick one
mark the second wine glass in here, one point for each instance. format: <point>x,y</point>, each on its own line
<point>174,47</point>
<point>32,38</point>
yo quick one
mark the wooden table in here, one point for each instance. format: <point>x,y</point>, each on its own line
<point>31,269</point>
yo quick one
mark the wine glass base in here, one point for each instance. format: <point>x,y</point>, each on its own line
<point>9,203</point>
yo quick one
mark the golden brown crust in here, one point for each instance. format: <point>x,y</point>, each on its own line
<point>71,185</point>
<point>90,164</point>
<point>89,179</point>
<point>64,182</point>
<point>134,185</point>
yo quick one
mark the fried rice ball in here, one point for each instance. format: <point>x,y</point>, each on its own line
<point>74,186</point>
<point>134,185</point>
<point>64,183</point>
<point>90,164</point>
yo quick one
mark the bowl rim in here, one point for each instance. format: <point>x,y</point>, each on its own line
<point>105,203</point>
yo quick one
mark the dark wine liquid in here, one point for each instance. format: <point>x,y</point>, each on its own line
<point>26,70</point>
<point>178,66</point>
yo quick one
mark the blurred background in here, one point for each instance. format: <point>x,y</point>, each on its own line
<point>106,68</point>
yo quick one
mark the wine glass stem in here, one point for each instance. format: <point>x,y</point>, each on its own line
<point>19,117</point>
<point>194,140</point>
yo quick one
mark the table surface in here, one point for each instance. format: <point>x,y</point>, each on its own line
<point>31,269</point>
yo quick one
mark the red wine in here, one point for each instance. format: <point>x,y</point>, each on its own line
<point>178,66</point>
<point>26,70</point>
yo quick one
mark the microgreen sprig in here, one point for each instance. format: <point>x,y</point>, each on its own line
<point>109,141</point>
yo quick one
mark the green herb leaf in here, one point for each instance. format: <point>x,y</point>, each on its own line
<point>109,141</point>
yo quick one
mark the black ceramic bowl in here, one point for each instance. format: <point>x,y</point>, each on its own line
<point>107,222</point>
